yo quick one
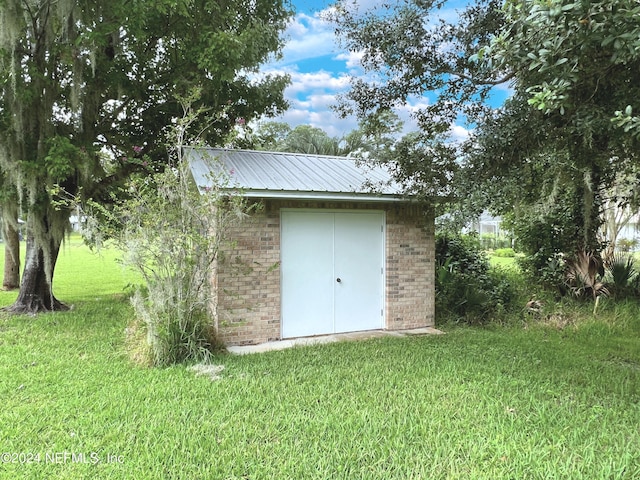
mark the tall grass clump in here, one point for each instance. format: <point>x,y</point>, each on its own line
<point>172,235</point>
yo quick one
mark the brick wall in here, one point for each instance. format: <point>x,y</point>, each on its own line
<point>248,275</point>
<point>248,281</point>
<point>410,251</point>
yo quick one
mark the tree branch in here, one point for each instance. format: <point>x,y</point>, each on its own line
<point>498,81</point>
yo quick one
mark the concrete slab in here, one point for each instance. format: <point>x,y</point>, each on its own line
<point>322,339</point>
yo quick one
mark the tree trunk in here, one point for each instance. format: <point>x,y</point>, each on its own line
<point>36,294</point>
<point>11,279</point>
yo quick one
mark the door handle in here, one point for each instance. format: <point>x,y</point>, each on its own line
<point>339,280</point>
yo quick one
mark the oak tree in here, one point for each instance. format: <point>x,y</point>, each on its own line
<point>567,129</point>
<point>87,88</point>
<point>562,135</point>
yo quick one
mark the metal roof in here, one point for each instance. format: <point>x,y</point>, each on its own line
<point>292,175</point>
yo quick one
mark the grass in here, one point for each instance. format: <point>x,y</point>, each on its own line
<point>540,402</point>
<point>80,273</point>
<point>508,262</point>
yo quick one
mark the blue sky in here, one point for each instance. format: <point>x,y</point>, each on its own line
<point>320,70</point>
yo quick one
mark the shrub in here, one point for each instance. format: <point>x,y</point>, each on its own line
<point>491,241</point>
<point>547,235</point>
<point>463,253</point>
<point>171,234</point>
<point>172,237</point>
<point>553,274</point>
<point>504,252</point>
<point>467,288</point>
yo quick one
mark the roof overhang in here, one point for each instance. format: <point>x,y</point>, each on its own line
<point>335,196</point>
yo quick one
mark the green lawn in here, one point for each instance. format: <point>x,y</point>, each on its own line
<point>506,262</point>
<point>509,262</point>
<point>82,274</point>
<point>492,403</point>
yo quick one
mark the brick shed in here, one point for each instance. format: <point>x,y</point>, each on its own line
<point>324,254</point>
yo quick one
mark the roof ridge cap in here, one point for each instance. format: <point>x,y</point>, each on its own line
<point>271,152</point>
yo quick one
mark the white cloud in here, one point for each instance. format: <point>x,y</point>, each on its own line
<point>318,81</point>
<point>324,119</point>
<point>315,109</point>
<point>353,60</point>
<point>320,70</point>
<point>459,133</point>
<point>308,37</point>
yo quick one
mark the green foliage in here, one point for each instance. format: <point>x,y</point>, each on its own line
<point>627,121</point>
<point>270,136</point>
<point>546,235</point>
<point>576,44</point>
<point>462,252</point>
<point>170,334</point>
<point>62,159</point>
<point>571,65</point>
<point>403,60</point>
<point>622,275</point>
<point>312,140</point>
<point>87,90</point>
<point>467,288</point>
<point>491,241</point>
<point>553,273</point>
<point>504,252</point>
<point>172,236</point>
<point>627,244</point>
<point>370,136</point>
<point>575,67</point>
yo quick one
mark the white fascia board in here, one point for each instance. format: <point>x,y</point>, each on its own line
<point>354,197</point>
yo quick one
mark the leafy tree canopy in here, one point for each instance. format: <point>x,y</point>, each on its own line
<point>369,138</point>
<point>571,65</point>
<point>575,67</point>
<point>562,49</point>
<point>408,51</point>
<point>88,87</point>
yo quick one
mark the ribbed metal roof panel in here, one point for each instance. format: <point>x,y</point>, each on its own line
<point>257,171</point>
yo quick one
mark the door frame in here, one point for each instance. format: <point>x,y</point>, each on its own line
<point>383,259</point>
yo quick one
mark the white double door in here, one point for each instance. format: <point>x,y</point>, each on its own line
<point>332,272</point>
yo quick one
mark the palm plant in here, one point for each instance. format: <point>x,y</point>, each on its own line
<point>622,272</point>
<point>584,276</point>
